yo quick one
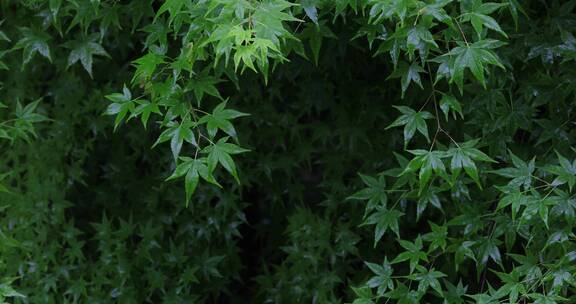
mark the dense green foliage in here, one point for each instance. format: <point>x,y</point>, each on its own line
<point>268,151</point>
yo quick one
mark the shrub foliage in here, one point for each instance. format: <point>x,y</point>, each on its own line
<point>272,151</point>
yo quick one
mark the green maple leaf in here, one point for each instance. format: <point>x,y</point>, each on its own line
<point>437,11</point>
<point>413,253</point>
<point>463,157</point>
<point>421,39</point>
<point>315,33</point>
<point>145,108</point>
<point>157,32</point>
<point>121,105</point>
<point>270,18</point>
<point>383,276</point>
<point>384,219</point>
<point>521,174</point>
<point>427,196</point>
<point>146,65</point>
<point>427,162</point>
<point>461,251</point>
<point>564,205</point>
<point>375,192</point>
<point>173,7</point>
<point>513,285</point>
<point>475,57</point>
<point>245,54</point>
<point>488,248</point>
<point>408,74</point>
<point>515,199</point>
<point>202,85</point>
<point>193,169</point>
<point>454,294</point>
<point>437,237</point>
<point>33,42</point>
<point>412,121</point>
<point>220,120</point>
<point>429,278</point>
<point>220,152</point>
<point>27,114</point>
<point>84,13</point>
<point>450,103</point>
<point>483,298</point>
<point>83,50</point>
<point>477,13</point>
<point>386,9</point>
<point>177,133</point>
<point>565,173</point>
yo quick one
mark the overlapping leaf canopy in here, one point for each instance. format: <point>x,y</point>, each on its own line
<point>346,151</point>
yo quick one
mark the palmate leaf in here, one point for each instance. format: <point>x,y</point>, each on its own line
<point>375,192</point>
<point>382,278</point>
<point>412,121</point>
<point>537,206</point>
<point>220,120</point>
<point>193,169</point>
<point>34,41</point>
<point>437,237</point>
<point>477,13</point>
<point>425,197</point>
<point>177,133</point>
<point>219,153</point>
<point>565,173</point>
<point>203,85</point>
<point>121,105</point>
<point>427,162</point>
<point>436,10</point>
<point>364,294</point>
<point>421,39</point>
<point>315,34</point>
<point>515,199</point>
<point>146,65</point>
<point>384,219</point>
<point>407,74</point>
<point>475,57</point>
<point>463,157</point>
<point>383,10</point>
<point>513,287</point>
<point>28,114</point>
<point>521,173</point>
<point>429,278</point>
<point>413,253</point>
<point>23,124</point>
<point>448,104</point>
<point>488,249</point>
<point>173,7</point>
<point>83,50</point>
<point>245,54</point>
<point>145,108</point>
<point>564,205</point>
